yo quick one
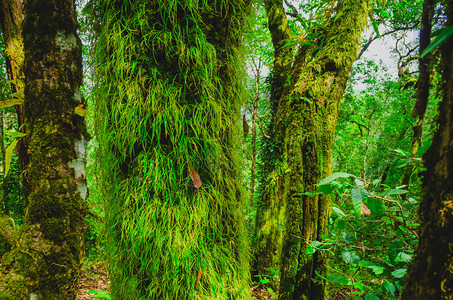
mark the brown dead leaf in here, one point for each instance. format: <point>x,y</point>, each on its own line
<point>245,126</point>
<point>364,210</point>
<point>266,135</point>
<point>196,180</point>
<point>198,277</point>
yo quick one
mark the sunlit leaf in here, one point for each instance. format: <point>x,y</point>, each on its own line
<point>8,154</point>
<point>11,102</point>
<point>350,257</point>
<point>399,273</point>
<point>80,110</point>
<point>333,176</point>
<point>442,35</point>
<point>338,211</point>
<point>356,196</point>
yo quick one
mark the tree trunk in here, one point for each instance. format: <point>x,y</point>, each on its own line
<point>305,125</point>
<point>270,211</point>
<point>431,273</point>
<point>418,113</point>
<point>49,246</point>
<point>11,22</point>
<point>168,103</point>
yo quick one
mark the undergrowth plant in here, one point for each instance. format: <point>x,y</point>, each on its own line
<point>372,237</point>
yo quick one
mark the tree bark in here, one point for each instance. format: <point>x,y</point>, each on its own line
<point>418,113</point>
<point>11,22</point>
<point>431,273</point>
<point>305,125</point>
<point>47,251</point>
<point>270,210</point>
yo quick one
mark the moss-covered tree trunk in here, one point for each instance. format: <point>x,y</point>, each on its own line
<point>169,94</point>
<point>270,211</point>
<point>11,24</point>
<point>47,251</point>
<point>305,126</point>
<point>431,273</point>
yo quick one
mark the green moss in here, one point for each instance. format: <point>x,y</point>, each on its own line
<point>168,99</point>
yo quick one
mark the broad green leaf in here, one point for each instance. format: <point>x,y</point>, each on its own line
<point>394,192</point>
<point>375,205</point>
<point>332,177</point>
<point>8,153</point>
<point>389,287</point>
<point>325,189</point>
<point>377,269</point>
<point>358,182</point>
<point>341,280</point>
<point>402,152</point>
<point>350,257</point>
<point>356,196</point>
<point>338,211</point>
<point>403,257</point>
<point>376,29</point>
<point>395,248</point>
<point>16,134</point>
<point>442,35</point>
<point>360,286</point>
<point>399,273</point>
<point>348,237</point>
<point>10,102</point>
<point>371,297</point>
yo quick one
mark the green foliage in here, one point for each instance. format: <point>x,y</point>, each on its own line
<point>168,99</point>
<point>100,294</point>
<point>372,236</point>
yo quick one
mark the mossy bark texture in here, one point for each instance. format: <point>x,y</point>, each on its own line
<point>11,24</point>
<point>270,212</point>
<point>304,127</point>
<point>47,252</point>
<point>431,273</point>
<point>169,95</point>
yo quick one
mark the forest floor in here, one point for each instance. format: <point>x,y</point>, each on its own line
<point>94,282</point>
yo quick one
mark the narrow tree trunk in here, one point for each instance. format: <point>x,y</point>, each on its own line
<point>270,211</point>
<point>305,125</point>
<point>431,273</point>
<point>11,22</point>
<point>254,116</point>
<point>168,104</point>
<point>418,113</point>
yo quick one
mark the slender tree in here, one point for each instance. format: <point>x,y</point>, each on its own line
<point>168,98</point>
<point>270,211</point>
<point>418,113</point>
<point>303,128</point>
<point>431,274</point>
<point>11,24</point>
<point>47,250</point>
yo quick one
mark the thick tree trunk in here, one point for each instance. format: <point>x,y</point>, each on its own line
<point>305,124</point>
<point>168,108</point>
<point>47,250</point>
<point>431,273</point>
